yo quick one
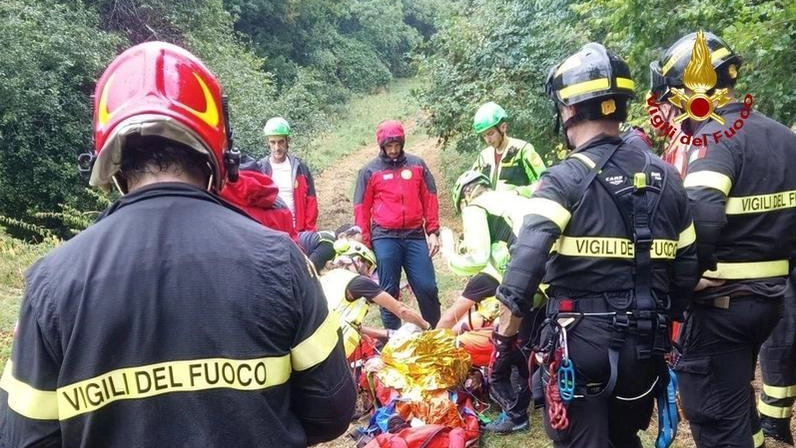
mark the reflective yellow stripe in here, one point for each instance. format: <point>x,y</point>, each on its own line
<point>687,237</point>
<point>761,203</point>
<point>551,210</point>
<point>316,348</point>
<point>710,179</point>
<point>780,391</point>
<point>678,52</point>
<point>758,438</point>
<point>611,247</point>
<point>584,87</point>
<point>584,158</point>
<point>27,400</point>
<point>773,411</point>
<point>173,376</point>
<point>743,271</point>
<point>349,314</point>
<point>718,54</point>
<point>625,83</point>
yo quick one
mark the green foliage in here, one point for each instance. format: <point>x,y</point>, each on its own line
<point>501,50</point>
<point>50,54</point>
<point>762,32</point>
<point>497,51</point>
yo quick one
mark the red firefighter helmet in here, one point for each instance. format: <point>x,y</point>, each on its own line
<point>159,89</point>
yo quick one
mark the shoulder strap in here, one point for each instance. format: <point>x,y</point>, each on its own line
<point>594,169</point>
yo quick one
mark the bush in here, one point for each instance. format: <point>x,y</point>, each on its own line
<point>50,54</point>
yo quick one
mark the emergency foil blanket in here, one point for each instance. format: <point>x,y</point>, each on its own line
<point>424,363</point>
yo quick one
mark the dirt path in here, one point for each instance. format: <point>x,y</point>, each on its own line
<point>335,185</point>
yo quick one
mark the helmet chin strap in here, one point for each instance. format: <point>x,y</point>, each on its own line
<point>118,185</point>
<point>210,181</point>
<point>562,128</point>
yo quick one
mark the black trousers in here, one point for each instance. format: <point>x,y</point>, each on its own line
<point>778,362</point>
<point>612,420</point>
<point>720,348</point>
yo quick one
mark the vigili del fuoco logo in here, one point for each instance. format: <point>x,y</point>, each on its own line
<point>699,77</point>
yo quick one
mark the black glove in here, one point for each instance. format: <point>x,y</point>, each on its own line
<point>508,357</point>
<point>507,354</point>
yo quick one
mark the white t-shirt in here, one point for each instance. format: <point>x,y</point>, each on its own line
<point>282,175</point>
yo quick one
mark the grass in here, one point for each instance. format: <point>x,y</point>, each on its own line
<point>355,126</point>
<point>15,257</point>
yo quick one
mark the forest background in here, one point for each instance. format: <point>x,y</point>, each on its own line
<point>307,59</point>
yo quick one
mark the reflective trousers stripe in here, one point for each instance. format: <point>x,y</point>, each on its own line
<point>758,438</point>
<point>780,391</point>
<point>773,411</point>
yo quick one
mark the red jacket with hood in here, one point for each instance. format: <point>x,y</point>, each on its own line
<point>395,198</point>
<point>256,194</point>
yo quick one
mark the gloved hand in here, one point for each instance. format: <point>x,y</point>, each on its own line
<point>507,355</point>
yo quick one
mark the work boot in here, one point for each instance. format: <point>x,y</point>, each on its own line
<point>504,425</point>
<point>777,429</point>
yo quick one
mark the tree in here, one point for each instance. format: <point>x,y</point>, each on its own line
<point>498,51</point>
<point>50,55</point>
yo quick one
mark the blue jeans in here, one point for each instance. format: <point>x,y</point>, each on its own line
<point>392,254</point>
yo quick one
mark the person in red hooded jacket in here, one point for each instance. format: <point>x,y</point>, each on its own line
<point>257,195</point>
<point>395,205</point>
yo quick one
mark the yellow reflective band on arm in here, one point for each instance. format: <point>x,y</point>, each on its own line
<point>687,237</point>
<point>175,376</point>
<point>745,271</point>
<point>758,439</point>
<point>316,348</point>
<point>780,391</point>
<point>710,179</point>
<point>625,83</point>
<point>584,159</point>
<point>773,411</point>
<point>761,203</point>
<point>551,210</point>
<point>26,400</point>
<point>611,247</point>
<point>584,87</point>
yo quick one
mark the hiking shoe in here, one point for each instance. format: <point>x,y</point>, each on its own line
<point>777,429</point>
<point>504,425</point>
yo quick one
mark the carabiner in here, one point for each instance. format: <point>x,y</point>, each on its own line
<point>566,380</point>
<point>566,370</point>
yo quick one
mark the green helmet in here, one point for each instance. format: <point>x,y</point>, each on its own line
<point>468,178</point>
<point>276,126</point>
<point>488,115</point>
<point>351,248</point>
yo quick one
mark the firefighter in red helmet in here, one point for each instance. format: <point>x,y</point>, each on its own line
<point>175,319</point>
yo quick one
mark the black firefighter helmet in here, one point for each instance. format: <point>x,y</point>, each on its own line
<point>669,71</point>
<point>595,76</point>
